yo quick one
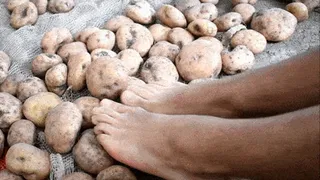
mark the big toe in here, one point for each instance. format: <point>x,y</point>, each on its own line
<point>132,99</point>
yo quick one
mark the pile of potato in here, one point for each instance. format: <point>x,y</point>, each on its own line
<point>26,12</point>
<point>175,43</point>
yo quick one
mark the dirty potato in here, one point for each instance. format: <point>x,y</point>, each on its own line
<point>159,32</point>
<point>299,10</point>
<point>12,4</point>
<point>7,175</point>
<point>311,4</point>
<point>171,16</point>
<point>202,11</point>
<point>131,60</point>
<point>43,62</point>
<point>101,39</point>
<point>77,176</point>
<point>11,83</point>
<point>60,6</point>
<point>85,105</point>
<point>28,161</point>
<point>202,27</point>
<point>36,107</point>
<point>22,131</point>
<point>253,40</point>
<point>180,37</point>
<point>140,11</point>
<point>24,14</point>
<point>10,110</point>
<point>116,172</point>
<point>182,5</point>
<point>114,23</point>
<point>83,35</point>
<point>246,11</point>
<point>56,79</point>
<point>54,39</point>
<point>214,42</point>
<point>235,2</point>
<point>30,87</point>
<point>41,5</point>
<point>62,126</point>
<point>228,20</point>
<point>227,36</point>
<point>165,49</point>
<point>98,53</point>
<point>5,63</point>
<point>77,67</point>
<point>71,49</point>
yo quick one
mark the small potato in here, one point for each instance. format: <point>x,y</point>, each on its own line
<point>299,10</point>
<point>253,40</point>
<point>98,53</point>
<point>214,42</point>
<point>43,62</point>
<point>101,39</point>
<point>116,172</point>
<point>202,27</point>
<point>10,110</point>
<point>7,175</point>
<point>12,4</point>
<point>311,4</point>
<point>165,49</point>
<point>157,69</point>
<point>210,1</point>
<point>5,64</point>
<point>30,87</point>
<point>202,11</point>
<point>236,2</point>
<point>77,176</point>
<point>246,11</point>
<point>198,60</point>
<point>182,5</point>
<point>2,141</point>
<point>131,60</point>
<point>114,23</point>
<point>62,126</point>
<point>180,37</point>
<point>77,67</point>
<point>134,36</point>
<point>36,107</point>
<point>140,11</point>
<point>71,49</point>
<point>106,78</point>
<point>274,24</point>
<point>90,155</point>
<point>56,78</point>
<point>159,32</point>
<point>22,131</point>
<point>238,60</point>
<point>228,20</point>
<point>54,39</point>
<point>83,35</point>
<point>11,83</point>
<point>41,5</point>
<point>61,6</point>
<point>85,105</point>
<point>28,161</point>
<point>24,14</point>
<point>171,16</point>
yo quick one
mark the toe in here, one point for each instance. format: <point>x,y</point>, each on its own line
<point>105,110</point>
<point>103,128</point>
<point>144,91</point>
<point>120,108</point>
<point>131,99</point>
<point>103,118</point>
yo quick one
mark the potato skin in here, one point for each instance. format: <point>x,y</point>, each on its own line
<point>77,176</point>
<point>5,64</point>
<point>202,11</point>
<point>171,16</point>
<point>246,11</point>
<point>36,107</point>
<point>54,39</point>
<point>83,35</point>
<point>10,110</point>
<point>7,175</point>
<point>71,49</point>
<point>85,105</point>
<point>24,14</point>
<point>299,10</point>
<point>77,67</point>
<point>252,39</point>
<point>180,37</point>
<point>29,161</point>
<point>131,60</point>
<point>103,38</point>
<point>29,87</point>
<point>202,27</point>
<point>228,20</point>
<point>62,126</point>
<point>43,62</point>
<point>114,23</point>
<point>140,11</point>
<point>90,155</point>
<point>165,49</point>
<point>57,75</point>
<point>22,131</point>
<point>116,172</point>
<point>2,141</point>
<point>159,32</point>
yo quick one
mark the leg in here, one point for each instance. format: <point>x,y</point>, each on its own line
<point>201,147</point>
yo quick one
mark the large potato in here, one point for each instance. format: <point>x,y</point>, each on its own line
<point>159,32</point>
<point>22,131</point>
<point>54,39</point>
<point>171,16</point>
<point>114,23</point>
<point>253,40</point>
<point>202,11</point>
<point>5,63</point>
<point>85,105</point>
<point>165,49</point>
<point>180,37</point>
<point>30,87</point>
<point>228,20</point>
<point>140,11</point>
<point>7,175</point>
<point>90,155</point>
<point>43,62</point>
<point>10,110</point>
<point>116,172</point>
<point>77,176</point>
<point>10,85</point>
<point>30,162</point>
<point>77,67</point>
<point>62,126</point>
<point>70,49</point>
<point>36,107</point>
<point>131,60</point>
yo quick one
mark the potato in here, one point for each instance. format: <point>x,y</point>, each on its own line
<point>311,4</point>
<point>253,40</point>
<point>41,5</point>
<point>140,11</point>
<point>77,67</point>
<point>43,62</point>
<point>198,60</point>
<point>228,20</point>
<point>101,39</point>
<point>180,37</point>
<point>10,110</point>
<point>71,49</point>
<point>90,155</point>
<point>11,83</point>
<point>36,107</point>
<point>12,4</point>
<point>98,53</point>
<point>62,126</point>
<point>106,78</point>
<point>171,16</point>
<point>22,131</point>
<point>5,63</point>
<point>28,161</point>
<point>157,69</point>
<point>227,36</point>
<point>202,11</point>
<point>165,49</point>
<point>116,172</point>
<point>299,10</point>
<point>7,175</point>
<point>83,35</point>
<point>182,5</point>
<point>214,42</point>
<point>85,105</point>
<point>134,36</point>
<point>210,1</point>
<point>114,23</point>
<point>24,14</point>
<point>2,141</point>
<point>61,6</point>
<point>54,39</point>
<point>235,2</point>
<point>159,32</point>
<point>274,24</point>
<point>238,60</point>
<point>77,176</point>
<point>246,11</point>
<point>131,61</point>
<point>202,27</point>
<point>30,87</point>
<point>58,90</point>
<point>56,79</point>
